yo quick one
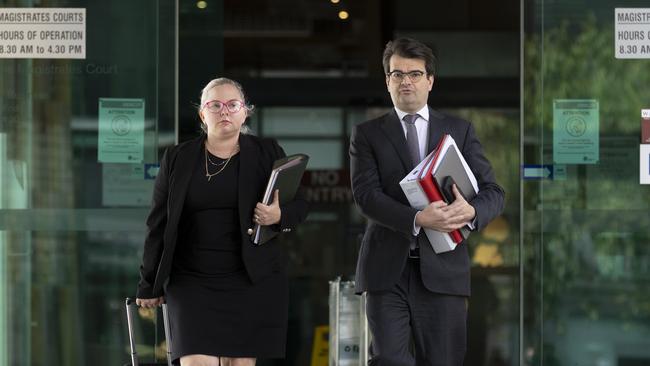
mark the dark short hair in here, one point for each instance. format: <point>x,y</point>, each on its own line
<point>410,48</point>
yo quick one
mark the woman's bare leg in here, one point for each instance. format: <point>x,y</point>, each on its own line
<point>237,361</point>
<point>199,360</point>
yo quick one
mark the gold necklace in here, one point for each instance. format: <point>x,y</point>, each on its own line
<point>207,173</point>
<point>213,163</point>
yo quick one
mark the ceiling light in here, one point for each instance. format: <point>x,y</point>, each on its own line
<point>201,4</point>
<point>343,14</point>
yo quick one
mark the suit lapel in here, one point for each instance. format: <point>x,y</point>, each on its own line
<point>437,128</point>
<point>248,193</point>
<point>182,174</point>
<point>392,127</point>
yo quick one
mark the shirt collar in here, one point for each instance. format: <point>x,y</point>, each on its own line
<point>423,113</point>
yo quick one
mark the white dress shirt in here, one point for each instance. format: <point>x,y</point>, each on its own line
<point>421,125</point>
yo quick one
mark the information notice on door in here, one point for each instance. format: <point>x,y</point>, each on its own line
<point>43,33</point>
<point>121,130</point>
<point>576,127</point>
<point>632,33</point>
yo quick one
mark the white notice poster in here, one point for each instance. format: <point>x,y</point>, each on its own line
<point>632,32</point>
<point>43,33</point>
<point>644,163</point>
<point>125,185</point>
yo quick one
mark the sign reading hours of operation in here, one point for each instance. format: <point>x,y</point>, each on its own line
<point>43,33</point>
<point>632,32</point>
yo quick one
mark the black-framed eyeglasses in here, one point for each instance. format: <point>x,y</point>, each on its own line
<point>215,106</point>
<point>398,76</point>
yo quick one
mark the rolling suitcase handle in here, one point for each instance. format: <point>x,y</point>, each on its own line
<point>129,318</point>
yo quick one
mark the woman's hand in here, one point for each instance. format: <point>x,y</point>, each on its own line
<point>268,214</point>
<point>150,303</point>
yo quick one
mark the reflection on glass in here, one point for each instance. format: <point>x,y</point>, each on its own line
<point>294,121</point>
<point>68,255</point>
<point>585,254</point>
<point>323,154</point>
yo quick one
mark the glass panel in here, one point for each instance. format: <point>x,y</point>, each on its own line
<point>356,116</point>
<point>498,125</point>
<point>493,332</point>
<point>323,154</point>
<point>253,123</point>
<point>585,232</point>
<point>294,121</point>
<point>79,141</point>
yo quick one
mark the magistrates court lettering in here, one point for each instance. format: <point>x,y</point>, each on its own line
<point>37,16</point>
<point>632,33</point>
<point>43,33</point>
<point>633,17</point>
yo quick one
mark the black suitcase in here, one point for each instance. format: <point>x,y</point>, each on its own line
<point>130,303</point>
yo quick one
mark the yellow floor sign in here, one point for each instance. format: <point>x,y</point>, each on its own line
<point>320,352</point>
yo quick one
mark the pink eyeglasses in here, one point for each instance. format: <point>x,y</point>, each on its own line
<point>215,106</point>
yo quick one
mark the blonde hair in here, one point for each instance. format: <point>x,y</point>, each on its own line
<point>223,81</point>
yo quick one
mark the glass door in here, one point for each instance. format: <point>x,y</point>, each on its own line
<point>83,119</point>
<point>585,241</point>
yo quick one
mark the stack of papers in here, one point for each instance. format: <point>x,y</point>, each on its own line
<point>432,180</point>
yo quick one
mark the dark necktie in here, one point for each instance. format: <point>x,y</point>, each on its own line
<point>412,138</point>
<point>414,150</point>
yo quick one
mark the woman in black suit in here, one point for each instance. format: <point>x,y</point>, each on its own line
<point>227,297</point>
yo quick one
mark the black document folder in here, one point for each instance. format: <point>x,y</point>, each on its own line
<point>452,171</point>
<point>285,176</point>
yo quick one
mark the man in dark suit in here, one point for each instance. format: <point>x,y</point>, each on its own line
<point>416,299</point>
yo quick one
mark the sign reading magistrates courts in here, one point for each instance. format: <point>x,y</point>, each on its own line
<point>632,33</point>
<point>43,33</point>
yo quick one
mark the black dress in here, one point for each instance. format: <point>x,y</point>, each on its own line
<point>214,309</point>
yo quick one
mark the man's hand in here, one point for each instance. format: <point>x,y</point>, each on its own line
<point>268,214</point>
<point>445,218</point>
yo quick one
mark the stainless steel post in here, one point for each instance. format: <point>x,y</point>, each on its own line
<point>129,319</point>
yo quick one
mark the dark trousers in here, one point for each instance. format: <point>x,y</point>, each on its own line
<point>412,326</point>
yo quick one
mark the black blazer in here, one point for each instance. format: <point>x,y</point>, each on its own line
<point>379,159</point>
<point>176,166</point>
